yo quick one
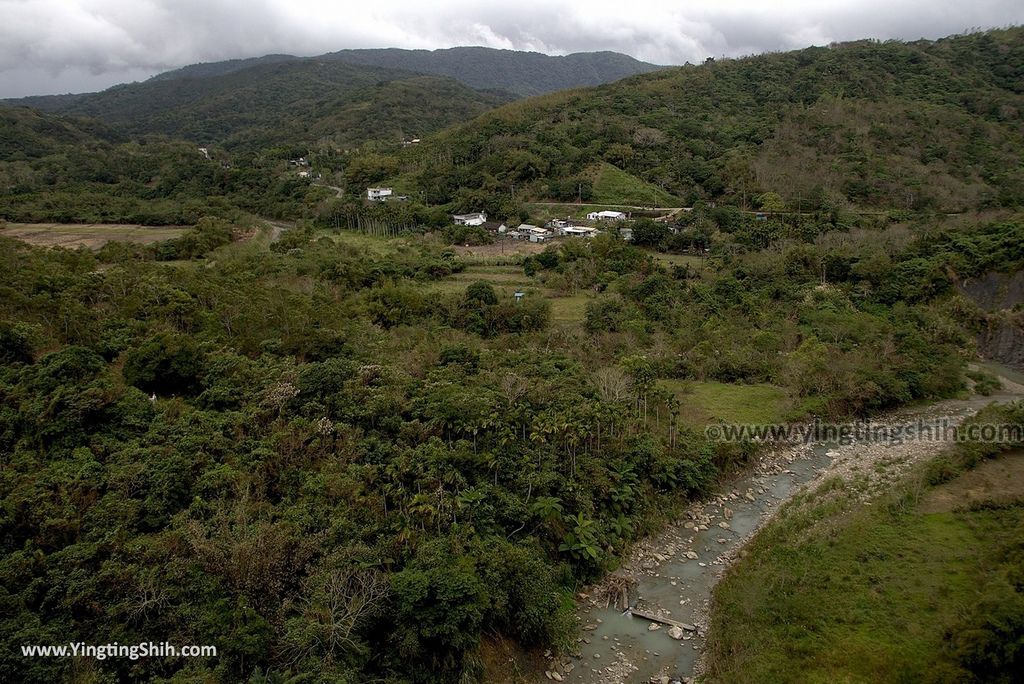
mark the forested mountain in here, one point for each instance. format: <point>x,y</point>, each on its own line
<point>928,124</point>
<point>344,98</point>
<point>513,71</point>
<point>227,66</point>
<point>522,73</point>
<point>297,102</point>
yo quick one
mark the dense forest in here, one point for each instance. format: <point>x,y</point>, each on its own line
<point>346,452</point>
<point>76,170</point>
<point>305,455</point>
<point>341,98</point>
<point>297,102</point>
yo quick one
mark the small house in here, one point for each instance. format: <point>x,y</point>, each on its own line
<point>607,215</point>
<point>378,194</point>
<point>534,233</point>
<point>474,219</point>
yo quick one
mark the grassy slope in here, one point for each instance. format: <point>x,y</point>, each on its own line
<point>612,185</point>
<point>707,402</point>
<point>837,592</point>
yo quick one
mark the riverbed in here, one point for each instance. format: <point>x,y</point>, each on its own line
<point>673,574</point>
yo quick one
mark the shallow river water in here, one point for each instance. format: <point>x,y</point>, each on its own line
<point>670,582</point>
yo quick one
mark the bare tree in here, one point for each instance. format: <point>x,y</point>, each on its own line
<point>613,384</point>
<point>335,602</point>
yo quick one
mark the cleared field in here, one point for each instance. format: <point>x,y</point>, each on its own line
<point>90,235</point>
<point>502,248</point>
<point>999,481</point>
<point>506,280</point>
<point>694,262</point>
<point>712,402</point>
<point>569,309</point>
<point>612,184</point>
<point>511,276</point>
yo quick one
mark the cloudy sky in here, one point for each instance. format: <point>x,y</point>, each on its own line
<point>58,46</point>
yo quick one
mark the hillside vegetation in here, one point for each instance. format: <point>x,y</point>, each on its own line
<point>293,102</point>
<point>306,455</point>
<point>59,169</point>
<point>521,73</point>
<point>923,125</point>
<point>512,71</point>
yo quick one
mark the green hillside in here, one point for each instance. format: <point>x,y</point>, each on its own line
<point>522,73</point>
<point>70,170</point>
<point>344,98</point>
<point>922,125</point>
<point>293,102</point>
<point>612,185</point>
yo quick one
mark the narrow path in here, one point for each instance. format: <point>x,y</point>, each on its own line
<point>672,575</point>
<point>338,191</point>
<point>276,228</point>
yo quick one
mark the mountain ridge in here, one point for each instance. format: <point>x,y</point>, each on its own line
<point>909,125</point>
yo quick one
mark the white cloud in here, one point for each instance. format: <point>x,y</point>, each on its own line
<point>76,45</point>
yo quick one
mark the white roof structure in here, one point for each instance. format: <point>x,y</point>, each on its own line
<point>606,215</point>
<point>579,230</point>
<point>474,219</point>
<point>536,230</point>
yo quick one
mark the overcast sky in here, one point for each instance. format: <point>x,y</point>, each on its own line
<point>59,46</point>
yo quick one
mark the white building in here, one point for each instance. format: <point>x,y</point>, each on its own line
<point>378,194</point>
<point>475,219</point>
<point>577,231</point>
<point>607,215</point>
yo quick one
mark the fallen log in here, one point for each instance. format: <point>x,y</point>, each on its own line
<point>665,621</point>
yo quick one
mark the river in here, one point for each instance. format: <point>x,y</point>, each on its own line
<point>676,571</point>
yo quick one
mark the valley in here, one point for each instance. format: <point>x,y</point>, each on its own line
<point>456,365</point>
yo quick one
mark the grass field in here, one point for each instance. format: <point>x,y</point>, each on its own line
<point>695,262</point>
<point>712,402</point>
<point>89,235</point>
<point>612,184</point>
<point>506,279</point>
<point>868,598</point>
<point>569,309</point>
